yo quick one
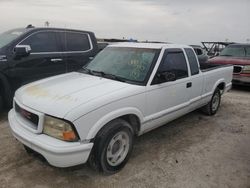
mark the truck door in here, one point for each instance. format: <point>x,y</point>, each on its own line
<point>196,79</point>
<point>168,99</point>
<point>44,60</point>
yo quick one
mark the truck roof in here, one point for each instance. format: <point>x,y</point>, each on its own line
<point>148,45</point>
<point>29,29</point>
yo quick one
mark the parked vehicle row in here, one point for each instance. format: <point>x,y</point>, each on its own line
<point>201,53</point>
<point>214,48</point>
<point>31,54</point>
<point>237,55</point>
<point>126,90</point>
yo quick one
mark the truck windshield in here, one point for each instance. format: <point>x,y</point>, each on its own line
<point>129,64</point>
<point>9,36</point>
<point>234,51</point>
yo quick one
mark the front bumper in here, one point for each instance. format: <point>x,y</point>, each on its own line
<point>241,80</point>
<point>58,153</point>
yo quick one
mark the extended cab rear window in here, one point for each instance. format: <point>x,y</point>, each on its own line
<point>192,61</point>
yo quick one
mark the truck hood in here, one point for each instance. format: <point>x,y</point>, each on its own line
<point>230,60</point>
<point>58,95</point>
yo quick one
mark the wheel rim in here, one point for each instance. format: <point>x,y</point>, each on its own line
<point>118,148</point>
<point>215,102</point>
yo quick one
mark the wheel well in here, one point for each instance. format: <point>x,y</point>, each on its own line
<point>134,121</point>
<point>221,87</point>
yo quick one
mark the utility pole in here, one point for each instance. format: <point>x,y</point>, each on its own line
<point>46,24</point>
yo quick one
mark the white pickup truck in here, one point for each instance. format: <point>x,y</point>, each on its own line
<point>126,90</point>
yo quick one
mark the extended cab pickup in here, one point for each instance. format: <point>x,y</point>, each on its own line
<point>126,90</point>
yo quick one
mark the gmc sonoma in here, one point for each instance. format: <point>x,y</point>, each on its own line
<point>126,90</point>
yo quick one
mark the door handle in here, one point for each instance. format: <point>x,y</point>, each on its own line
<point>56,60</point>
<point>189,84</point>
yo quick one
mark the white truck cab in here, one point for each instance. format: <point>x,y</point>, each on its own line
<point>126,90</point>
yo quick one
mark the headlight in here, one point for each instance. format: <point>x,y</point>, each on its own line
<point>59,129</point>
<point>246,69</point>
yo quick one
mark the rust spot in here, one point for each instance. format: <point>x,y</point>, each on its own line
<point>37,91</point>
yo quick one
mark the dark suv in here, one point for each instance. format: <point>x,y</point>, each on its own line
<point>31,54</point>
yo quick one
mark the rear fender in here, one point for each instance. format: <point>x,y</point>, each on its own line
<point>220,81</point>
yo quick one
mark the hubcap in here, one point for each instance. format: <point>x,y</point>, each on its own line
<point>118,148</point>
<point>215,102</point>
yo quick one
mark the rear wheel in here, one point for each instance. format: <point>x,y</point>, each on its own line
<point>112,147</point>
<point>212,107</point>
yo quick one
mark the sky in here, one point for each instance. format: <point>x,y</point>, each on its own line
<point>176,21</point>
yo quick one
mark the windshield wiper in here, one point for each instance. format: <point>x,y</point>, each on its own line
<point>100,73</point>
<point>114,77</point>
<point>107,75</point>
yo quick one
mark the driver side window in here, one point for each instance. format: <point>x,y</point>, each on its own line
<point>42,42</point>
<point>173,65</point>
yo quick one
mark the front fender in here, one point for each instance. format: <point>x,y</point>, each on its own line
<point>111,116</point>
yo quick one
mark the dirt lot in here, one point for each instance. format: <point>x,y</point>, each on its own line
<point>193,151</point>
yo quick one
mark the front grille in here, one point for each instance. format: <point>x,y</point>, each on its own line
<point>29,116</point>
<point>237,69</point>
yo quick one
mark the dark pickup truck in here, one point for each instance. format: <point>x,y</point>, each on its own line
<point>237,55</point>
<point>29,54</point>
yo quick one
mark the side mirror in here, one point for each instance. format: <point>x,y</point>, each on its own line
<point>166,76</point>
<point>22,51</point>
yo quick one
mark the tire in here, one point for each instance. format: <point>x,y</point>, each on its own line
<point>112,147</point>
<point>212,107</point>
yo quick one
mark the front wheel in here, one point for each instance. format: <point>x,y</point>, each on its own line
<point>212,107</point>
<point>28,150</point>
<point>113,147</point>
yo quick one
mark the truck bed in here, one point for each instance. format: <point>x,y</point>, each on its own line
<point>209,66</point>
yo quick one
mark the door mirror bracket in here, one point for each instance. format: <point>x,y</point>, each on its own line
<point>22,51</point>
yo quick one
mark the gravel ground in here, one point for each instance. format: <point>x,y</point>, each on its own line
<point>193,151</point>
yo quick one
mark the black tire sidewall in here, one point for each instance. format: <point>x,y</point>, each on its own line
<point>104,142</point>
<point>211,102</point>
